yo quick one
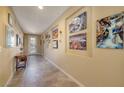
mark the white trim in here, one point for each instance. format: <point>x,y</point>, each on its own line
<point>67,74</point>
<point>9,80</point>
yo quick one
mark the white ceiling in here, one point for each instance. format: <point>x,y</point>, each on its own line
<point>35,21</point>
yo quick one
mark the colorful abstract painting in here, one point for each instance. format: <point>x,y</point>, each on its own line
<point>55,33</point>
<point>78,23</point>
<point>110,31</point>
<point>78,42</point>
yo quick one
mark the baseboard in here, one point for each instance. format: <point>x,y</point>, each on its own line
<point>8,81</point>
<point>67,74</point>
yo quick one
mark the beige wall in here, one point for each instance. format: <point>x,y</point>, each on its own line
<point>7,54</point>
<point>103,67</point>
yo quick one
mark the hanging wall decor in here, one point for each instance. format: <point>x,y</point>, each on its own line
<point>10,37</point>
<point>48,39</point>
<point>78,23</point>
<point>110,31</point>
<point>20,41</point>
<point>17,40</point>
<point>78,42</point>
<point>76,31</point>
<point>55,44</point>
<point>47,36</point>
<point>10,20</point>
<point>55,33</point>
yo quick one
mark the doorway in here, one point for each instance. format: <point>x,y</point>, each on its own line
<point>33,45</point>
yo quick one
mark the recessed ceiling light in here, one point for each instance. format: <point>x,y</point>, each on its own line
<point>40,7</point>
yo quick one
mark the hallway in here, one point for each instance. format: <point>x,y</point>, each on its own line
<point>72,37</point>
<point>40,73</point>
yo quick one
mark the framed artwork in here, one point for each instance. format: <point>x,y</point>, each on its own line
<point>78,42</point>
<point>20,41</point>
<point>55,44</point>
<point>10,20</point>
<point>47,36</point>
<point>55,33</point>
<point>109,33</point>
<point>77,31</point>
<point>78,23</point>
<point>48,39</point>
<point>10,37</point>
<point>17,40</point>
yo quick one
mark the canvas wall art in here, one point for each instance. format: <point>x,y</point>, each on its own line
<point>48,39</point>
<point>10,37</point>
<point>55,44</point>
<point>78,42</point>
<point>78,23</point>
<point>55,33</point>
<point>17,40</point>
<point>20,41</point>
<point>110,31</point>
<point>10,20</point>
<point>47,36</point>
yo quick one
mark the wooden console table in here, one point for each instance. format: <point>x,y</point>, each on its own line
<point>21,61</point>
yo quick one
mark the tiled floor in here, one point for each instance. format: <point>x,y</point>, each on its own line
<point>40,73</point>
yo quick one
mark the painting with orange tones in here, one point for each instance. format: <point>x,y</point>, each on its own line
<point>55,33</point>
<point>110,31</point>
<point>78,42</point>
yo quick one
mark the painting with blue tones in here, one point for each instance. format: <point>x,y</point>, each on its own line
<point>110,32</point>
<point>78,23</point>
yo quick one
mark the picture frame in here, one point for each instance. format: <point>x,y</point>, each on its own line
<point>10,19</point>
<point>78,23</point>
<point>47,36</point>
<point>17,40</point>
<point>48,39</point>
<point>10,37</point>
<point>78,42</point>
<point>55,32</point>
<point>20,41</point>
<point>82,37</point>
<point>55,44</point>
<point>76,26</point>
